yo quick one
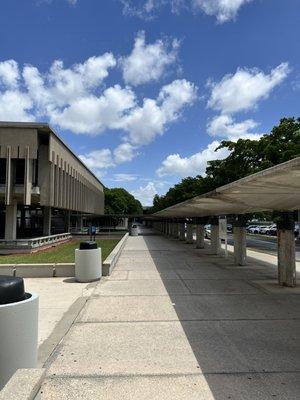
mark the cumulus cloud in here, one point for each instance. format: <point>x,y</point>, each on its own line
<point>223,10</point>
<point>9,73</point>
<point>124,152</point>
<point>148,62</point>
<point>124,177</point>
<point>145,193</point>
<point>225,126</point>
<point>76,99</point>
<point>244,89</point>
<point>98,159</point>
<point>144,123</point>
<point>175,165</point>
<point>15,106</point>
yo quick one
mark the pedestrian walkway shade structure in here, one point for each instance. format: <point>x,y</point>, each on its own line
<point>276,188</point>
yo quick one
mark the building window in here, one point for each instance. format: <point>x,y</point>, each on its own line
<point>2,171</point>
<point>20,168</point>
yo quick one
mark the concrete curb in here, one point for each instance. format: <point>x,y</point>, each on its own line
<point>110,262</point>
<point>60,270</point>
<point>25,384</point>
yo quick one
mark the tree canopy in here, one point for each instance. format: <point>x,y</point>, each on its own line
<point>245,158</point>
<point>119,201</point>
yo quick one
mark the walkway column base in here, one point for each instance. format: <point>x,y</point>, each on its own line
<point>189,233</point>
<point>215,245</point>
<point>182,231</point>
<point>239,241</point>
<point>200,233</point>
<point>11,221</point>
<point>286,251</point>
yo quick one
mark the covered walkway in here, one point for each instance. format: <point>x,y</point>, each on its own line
<point>175,322</point>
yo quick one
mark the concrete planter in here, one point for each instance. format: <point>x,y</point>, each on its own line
<point>18,336</point>
<point>88,265</point>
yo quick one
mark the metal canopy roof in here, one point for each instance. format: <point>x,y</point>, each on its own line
<point>276,188</point>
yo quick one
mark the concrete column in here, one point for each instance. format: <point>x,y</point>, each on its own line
<point>68,221</point>
<point>286,251</point>
<point>239,242</point>
<point>47,221</point>
<point>189,233</point>
<point>177,230</point>
<point>200,234</point>
<point>182,231</point>
<point>169,228</point>
<point>11,222</point>
<point>215,244</point>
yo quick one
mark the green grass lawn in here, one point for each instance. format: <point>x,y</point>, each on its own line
<point>63,253</point>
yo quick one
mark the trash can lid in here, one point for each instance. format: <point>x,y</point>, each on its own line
<point>88,245</point>
<point>11,289</point>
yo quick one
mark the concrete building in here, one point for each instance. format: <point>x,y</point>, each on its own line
<point>44,186</point>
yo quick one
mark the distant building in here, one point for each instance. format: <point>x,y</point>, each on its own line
<point>44,186</point>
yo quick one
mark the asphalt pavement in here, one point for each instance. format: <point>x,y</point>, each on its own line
<point>265,245</point>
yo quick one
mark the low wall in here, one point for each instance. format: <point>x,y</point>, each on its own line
<point>25,384</point>
<point>109,264</point>
<point>60,270</point>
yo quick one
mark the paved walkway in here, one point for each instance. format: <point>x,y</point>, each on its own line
<point>176,323</point>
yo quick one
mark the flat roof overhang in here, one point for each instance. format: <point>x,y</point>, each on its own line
<point>274,189</point>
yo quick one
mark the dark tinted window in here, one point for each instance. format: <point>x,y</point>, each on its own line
<point>20,166</point>
<point>2,171</point>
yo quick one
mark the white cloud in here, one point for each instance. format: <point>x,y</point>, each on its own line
<point>145,193</point>
<point>243,90</point>
<point>124,152</point>
<point>175,165</point>
<point>98,159</point>
<point>76,99</point>
<point>15,106</point>
<point>144,123</point>
<point>124,177</point>
<point>225,126</point>
<point>223,10</point>
<point>9,73</point>
<point>92,115</point>
<point>148,62</point>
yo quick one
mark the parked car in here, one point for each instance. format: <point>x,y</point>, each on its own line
<point>272,230</point>
<point>254,229</point>
<point>264,229</point>
<point>250,227</point>
<point>207,231</point>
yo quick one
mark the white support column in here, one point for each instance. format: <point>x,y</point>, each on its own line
<point>11,221</point>
<point>200,234</point>
<point>239,242</point>
<point>47,221</point>
<point>286,252</point>
<point>215,237</point>
<point>27,178</point>
<point>189,233</point>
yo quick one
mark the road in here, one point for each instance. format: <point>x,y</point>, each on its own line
<point>267,245</point>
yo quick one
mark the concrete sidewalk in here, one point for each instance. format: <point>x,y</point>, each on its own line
<point>177,323</point>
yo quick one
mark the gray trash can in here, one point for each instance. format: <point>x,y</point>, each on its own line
<point>18,327</point>
<point>134,230</point>
<point>88,262</point>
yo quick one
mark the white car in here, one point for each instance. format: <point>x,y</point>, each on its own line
<point>253,229</point>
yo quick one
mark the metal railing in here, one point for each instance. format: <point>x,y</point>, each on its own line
<point>35,242</point>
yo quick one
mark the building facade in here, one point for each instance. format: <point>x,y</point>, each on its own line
<point>43,184</point>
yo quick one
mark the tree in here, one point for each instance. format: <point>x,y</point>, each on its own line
<point>246,157</point>
<point>119,201</point>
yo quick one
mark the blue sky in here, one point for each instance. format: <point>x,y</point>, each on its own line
<point>143,91</point>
